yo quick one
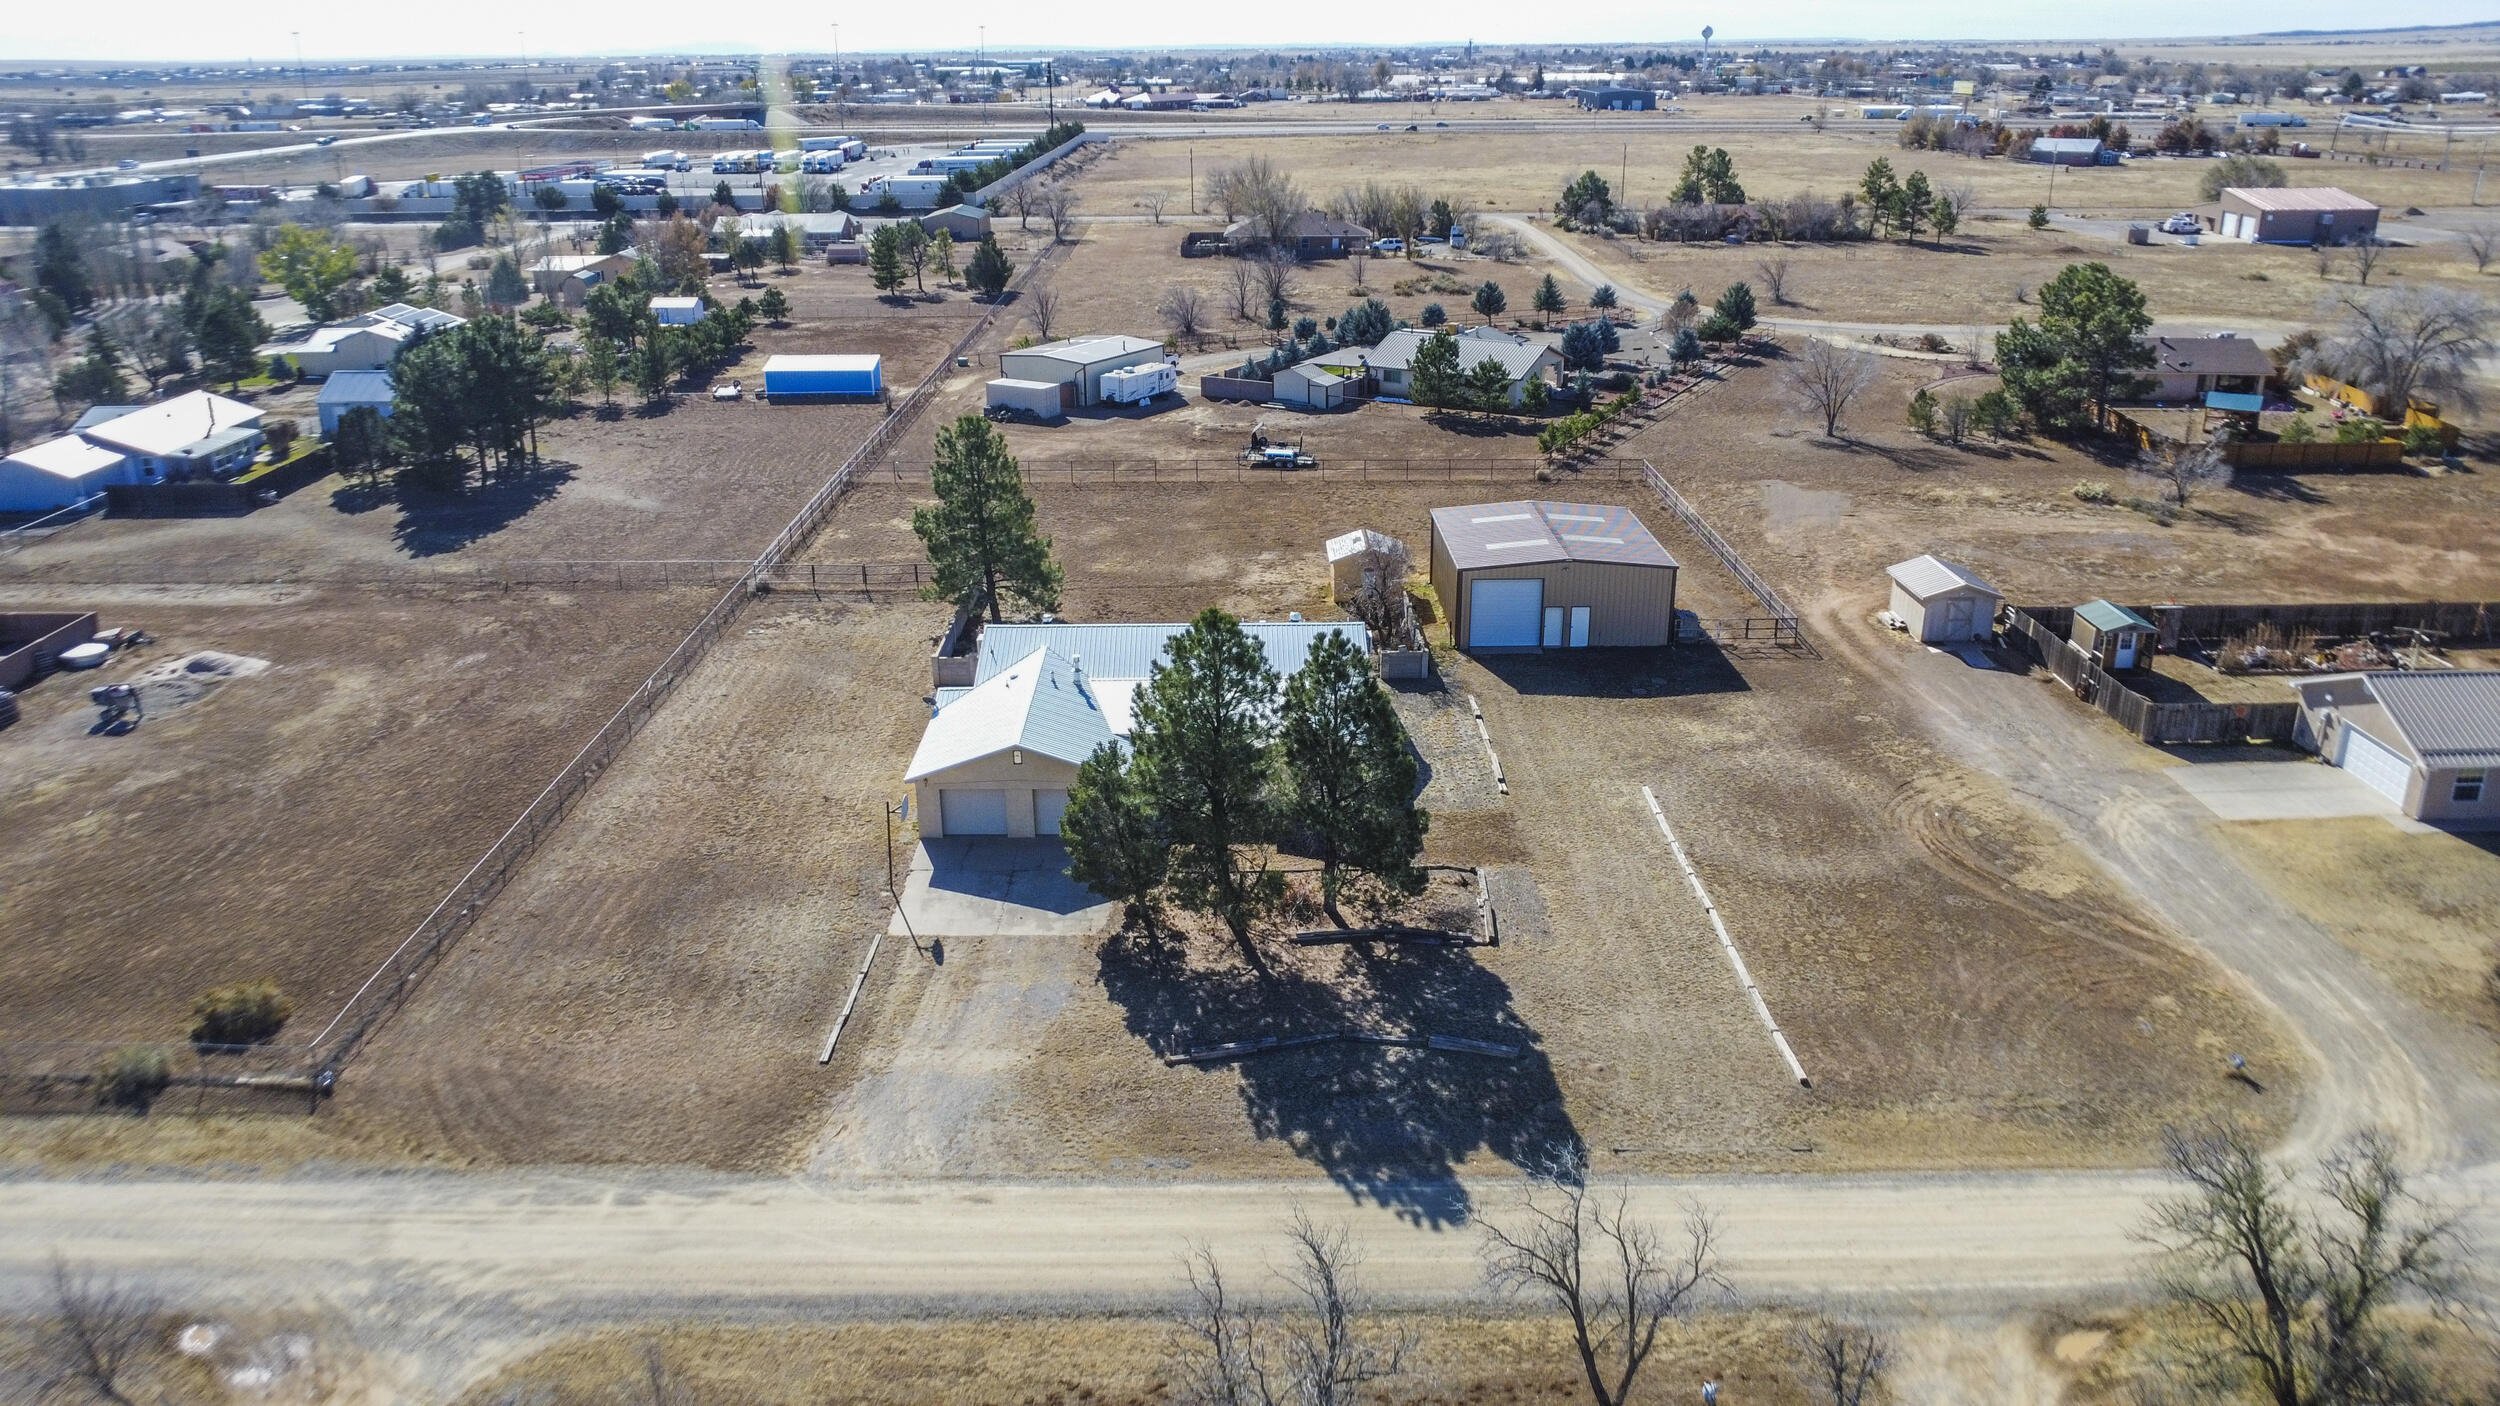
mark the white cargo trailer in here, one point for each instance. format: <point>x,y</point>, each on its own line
<point>1039,399</point>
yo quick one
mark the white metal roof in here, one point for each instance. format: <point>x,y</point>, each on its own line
<point>356,388</point>
<point>676,304</point>
<point>1132,651</point>
<point>1926,576</point>
<point>1037,703</point>
<point>1517,355</point>
<point>831,361</point>
<point>2451,717</point>
<point>1359,541</point>
<point>1086,351</point>
<point>166,427</point>
<point>68,457</point>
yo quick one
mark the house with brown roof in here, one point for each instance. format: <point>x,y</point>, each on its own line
<point>2187,369</point>
<point>1537,575</point>
<point>1312,234</point>
<point>2292,215</point>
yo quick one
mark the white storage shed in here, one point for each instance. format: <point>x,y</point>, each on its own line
<point>1036,398</point>
<point>677,312</point>
<point>58,473</point>
<point>1942,603</point>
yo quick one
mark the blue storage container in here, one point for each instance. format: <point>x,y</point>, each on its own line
<point>849,375</point>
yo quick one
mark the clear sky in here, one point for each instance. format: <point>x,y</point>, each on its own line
<point>177,30</point>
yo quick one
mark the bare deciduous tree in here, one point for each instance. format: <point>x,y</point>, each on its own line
<point>1319,1352</point>
<point>1961,195</point>
<point>1154,203</point>
<point>2186,470</point>
<point>1773,275</point>
<point>1041,308</point>
<point>1020,199</point>
<point>1254,189</point>
<point>1276,269</point>
<point>1184,311</point>
<point>2365,256</point>
<point>1241,282</point>
<point>2289,1305</point>
<point>1057,204</point>
<point>1581,1250</point>
<point>1824,379</point>
<point>2417,340</point>
<point>1381,599</point>
<point>1358,263</point>
<point>1842,1362</point>
<point>2482,242</point>
<point>98,1332</point>
<point>2324,255</point>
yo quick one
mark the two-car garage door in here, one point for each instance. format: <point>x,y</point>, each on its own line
<point>1505,614</point>
<point>2374,763</point>
<point>966,811</point>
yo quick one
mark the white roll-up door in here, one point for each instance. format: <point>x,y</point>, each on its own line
<point>1048,806</point>
<point>973,812</point>
<point>2377,765</point>
<point>1504,614</point>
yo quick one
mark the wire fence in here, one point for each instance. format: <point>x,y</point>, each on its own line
<point>874,577</point>
<point>27,1069</point>
<point>1727,555</point>
<point>1117,473</point>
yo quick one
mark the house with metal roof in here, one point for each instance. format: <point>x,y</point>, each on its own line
<point>349,390</point>
<point>999,756</point>
<point>199,434</point>
<point>2427,739</point>
<point>1941,603</point>
<point>1389,365</point>
<point>2115,637</point>
<point>1539,575</point>
<point>2066,151</point>
<point>2293,215</point>
<point>335,347</point>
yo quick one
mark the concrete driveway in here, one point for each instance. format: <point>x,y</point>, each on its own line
<point>2280,790</point>
<point>995,887</point>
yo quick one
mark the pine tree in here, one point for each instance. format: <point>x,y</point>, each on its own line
<point>1736,306</point>
<point>1548,298</point>
<point>1350,775</point>
<point>980,534</point>
<point>988,270</point>
<point>774,306</point>
<point>1205,724</point>
<point>1490,300</point>
<point>1434,370</point>
<point>885,259</point>
<point>1115,841</point>
<point>1488,386</point>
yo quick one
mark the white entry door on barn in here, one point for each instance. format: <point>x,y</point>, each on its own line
<point>1048,806</point>
<point>1579,627</point>
<point>1504,614</point>
<point>967,812</point>
<point>2375,764</point>
<point>1957,611</point>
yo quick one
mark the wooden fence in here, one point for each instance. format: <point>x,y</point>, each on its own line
<point>2321,455</point>
<point>2158,723</point>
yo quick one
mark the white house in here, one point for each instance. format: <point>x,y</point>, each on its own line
<point>1390,363</point>
<point>1942,603</point>
<point>200,434</point>
<point>328,350</point>
<point>350,389</point>
<point>58,473</point>
<point>997,758</point>
<point>2427,739</point>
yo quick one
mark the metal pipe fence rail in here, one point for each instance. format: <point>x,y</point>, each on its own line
<point>53,524</point>
<point>1095,473</point>
<point>496,575</point>
<point>392,982</point>
<point>1727,555</point>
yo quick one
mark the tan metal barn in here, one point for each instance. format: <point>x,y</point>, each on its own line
<point>1536,575</point>
<point>1941,603</point>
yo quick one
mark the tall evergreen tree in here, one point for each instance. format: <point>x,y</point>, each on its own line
<point>2085,350</point>
<point>885,259</point>
<point>61,269</point>
<point>1439,384</point>
<point>1488,386</point>
<point>980,534</point>
<point>1350,775</point>
<point>1205,724</point>
<point>988,269</point>
<point>1548,298</point>
<point>1115,840</point>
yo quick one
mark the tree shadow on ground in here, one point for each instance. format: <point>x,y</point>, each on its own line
<point>1917,459</point>
<point>1388,1124</point>
<point>433,522</point>
<point>2279,488</point>
<point>1701,666</point>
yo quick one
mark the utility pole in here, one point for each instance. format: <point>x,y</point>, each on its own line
<point>303,85</point>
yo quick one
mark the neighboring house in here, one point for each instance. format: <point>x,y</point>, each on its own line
<point>1618,99</point>
<point>998,758</point>
<point>2427,739</point>
<point>2189,368</point>
<point>1942,603</point>
<point>2115,637</point>
<point>1535,575</point>
<point>1076,364</point>
<point>2066,151</point>
<point>1390,364</point>
<point>1310,235</point>
<point>550,274</point>
<point>350,389</point>
<point>197,435</point>
<point>677,312</point>
<point>817,232</point>
<point>328,350</point>
<point>58,473</point>
<point>2293,215</point>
